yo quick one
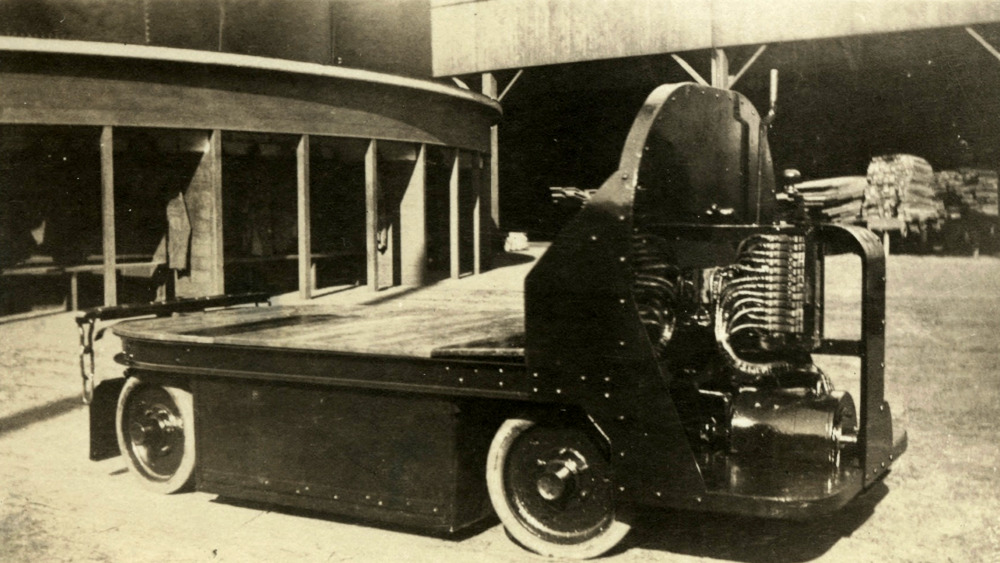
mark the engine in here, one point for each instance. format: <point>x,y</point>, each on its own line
<point>737,339</point>
<point>721,270</point>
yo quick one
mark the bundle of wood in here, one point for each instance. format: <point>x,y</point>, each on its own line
<point>975,189</point>
<point>901,185</point>
<point>834,199</point>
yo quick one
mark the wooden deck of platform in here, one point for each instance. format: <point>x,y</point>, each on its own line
<point>469,313</point>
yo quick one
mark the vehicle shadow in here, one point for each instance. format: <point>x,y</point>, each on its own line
<point>748,539</point>
<point>459,535</point>
<point>40,413</point>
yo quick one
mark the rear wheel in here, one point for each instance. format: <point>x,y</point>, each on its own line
<point>155,427</point>
<point>550,485</point>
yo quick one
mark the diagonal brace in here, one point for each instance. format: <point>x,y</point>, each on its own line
<point>986,44</point>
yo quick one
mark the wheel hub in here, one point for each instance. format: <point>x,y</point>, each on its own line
<point>155,431</point>
<point>560,480</point>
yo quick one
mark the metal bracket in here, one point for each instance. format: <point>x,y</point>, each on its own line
<point>86,323</point>
<point>87,369</point>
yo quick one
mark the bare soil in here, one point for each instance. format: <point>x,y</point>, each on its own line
<point>939,503</point>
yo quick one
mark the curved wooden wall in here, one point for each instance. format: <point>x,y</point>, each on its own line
<point>57,82</point>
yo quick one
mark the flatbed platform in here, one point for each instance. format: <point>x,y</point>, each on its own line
<point>476,316</point>
<point>394,329</point>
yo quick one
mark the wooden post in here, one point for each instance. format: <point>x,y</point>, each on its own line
<point>453,216</point>
<point>720,69</point>
<point>493,226</point>
<point>371,213</point>
<point>108,216</point>
<point>413,224</point>
<point>218,263</point>
<point>304,222</point>
<point>477,210</point>
<point>74,292</point>
<point>203,197</point>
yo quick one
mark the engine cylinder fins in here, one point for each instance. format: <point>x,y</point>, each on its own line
<point>763,293</point>
<point>655,286</point>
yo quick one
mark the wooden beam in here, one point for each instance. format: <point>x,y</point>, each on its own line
<point>108,216</point>
<point>510,84</point>
<point>453,244</point>
<point>493,227</point>
<point>986,44</point>
<point>205,272</point>
<point>304,223</point>
<point>413,224</point>
<point>477,214</point>
<point>137,86</point>
<point>746,66</point>
<point>371,213</point>
<point>690,70</point>
<point>720,69</point>
<point>214,157</point>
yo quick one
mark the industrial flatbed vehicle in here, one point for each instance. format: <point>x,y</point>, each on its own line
<point>664,358</point>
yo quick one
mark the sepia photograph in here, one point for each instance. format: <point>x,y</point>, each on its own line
<point>499,280</point>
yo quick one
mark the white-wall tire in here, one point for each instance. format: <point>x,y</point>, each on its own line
<point>550,486</point>
<point>154,423</point>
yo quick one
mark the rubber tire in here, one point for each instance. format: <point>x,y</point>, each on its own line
<point>183,477</point>
<point>505,437</point>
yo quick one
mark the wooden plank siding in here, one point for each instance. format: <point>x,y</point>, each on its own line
<point>488,35</point>
<point>78,83</point>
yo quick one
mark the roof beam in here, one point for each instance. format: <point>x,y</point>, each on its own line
<point>690,70</point>
<point>510,84</point>
<point>747,65</point>
<point>986,44</point>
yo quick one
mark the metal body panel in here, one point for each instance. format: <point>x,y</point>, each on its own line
<point>336,369</point>
<point>388,456</point>
<point>103,440</point>
<point>584,336</point>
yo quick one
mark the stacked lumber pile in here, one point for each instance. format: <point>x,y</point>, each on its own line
<point>837,200</point>
<point>902,185</point>
<point>974,189</point>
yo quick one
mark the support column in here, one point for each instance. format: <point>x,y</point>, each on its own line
<point>214,165</point>
<point>203,197</point>
<point>493,226</point>
<point>720,69</point>
<point>306,281</point>
<point>413,224</point>
<point>371,213</point>
<point>108,216</point>
<point>453,242</point>
<point>477,210</point>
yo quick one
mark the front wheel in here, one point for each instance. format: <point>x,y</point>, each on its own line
<point>551,488</point>
<point>155,427</point>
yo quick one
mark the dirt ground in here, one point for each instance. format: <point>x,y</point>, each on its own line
<point>939,503</point>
